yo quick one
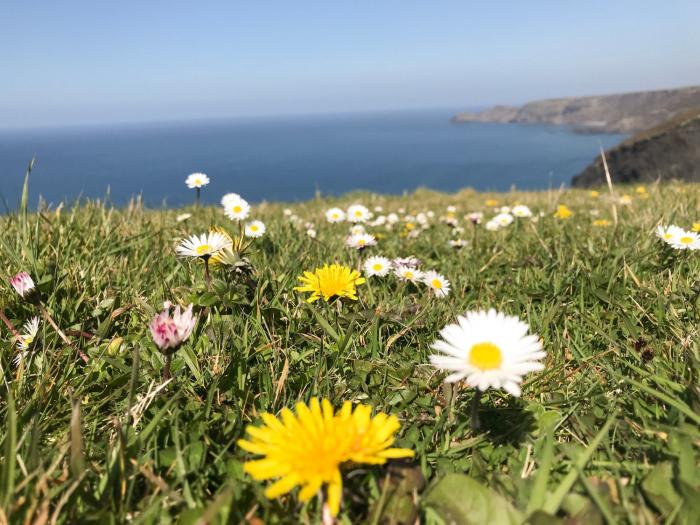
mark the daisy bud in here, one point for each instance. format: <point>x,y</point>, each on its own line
<point>169,332</point>
<point>23,284</point>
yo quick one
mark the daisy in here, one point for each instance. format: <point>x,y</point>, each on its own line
<point>392,218</point>
<point>409,273</point>
<point>335,215</point>
<point>410,261</point>
<point>26,340</point>
<point>358,229</point>
<point>521,211</point>
<point>255,229</point>
<point>492,226</point>
<point>203,246</point>
<point>686,241</point>
<point>358,213</point>
<point>196,180</point>
<point>229,197</point>
<point>488,350</point>
<point>361,241</point>
<point>503,219</point>
<point>237,209</point>
<point>183,217</point>
<point>379,266</point>
<point>474,217</point>
<point>307,449</point>
<point>169,332</point>
<point>311,232</point>
<point>669,234</point>
<point>334,281</point>
<point>457,243</point>
<point>23,284</point>
<point>437,283</point>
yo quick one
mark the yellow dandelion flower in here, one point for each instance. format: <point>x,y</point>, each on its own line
<point>491,202</point>
<point>331,281</point>
<point>594,194</point>
<point>563,212</point>
<point>640,189</point>
<point>696,227</point>
<point>307,449</point>
<point>601,223</point>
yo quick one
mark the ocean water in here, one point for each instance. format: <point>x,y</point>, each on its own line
<point>290,158</point>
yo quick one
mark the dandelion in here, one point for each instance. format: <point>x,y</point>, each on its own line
<point>487,350</point>
<point>169,332</point>
<point>255,229</point>
<point>563,212</point>
<point>696,227</point>
<point>237,209</point>
<point>358,213</point>
<point>361,241</point>
<point>23,285</point>
<point>377,266</point>
<point>335,215</point>
<point>641,190</point>
<point>408,273</point>
<point>437,283</point>
<point>601,223</point>
<point>26,340</point>
<point>491,203</point>
<point>334,281</point>
<point>521,211</point>
<point>594,194</point>
<point>196,181</point>
<point>308,448</point>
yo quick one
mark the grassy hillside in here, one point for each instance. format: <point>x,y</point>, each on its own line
<point>607,432</point>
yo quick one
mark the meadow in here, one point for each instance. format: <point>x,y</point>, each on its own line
<point>607,432</point>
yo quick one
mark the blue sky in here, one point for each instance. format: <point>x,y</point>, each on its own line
<point>75,62</point>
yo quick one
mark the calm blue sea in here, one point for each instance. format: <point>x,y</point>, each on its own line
<point>291,158</point>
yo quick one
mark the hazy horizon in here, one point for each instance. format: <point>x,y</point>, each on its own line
<point>86,63</point>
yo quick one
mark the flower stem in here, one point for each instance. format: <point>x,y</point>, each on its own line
<point>9,325</point>
<point>207,275</point>
<point>476,402</point>
<point>166,368</point>
<point>196,199</point>
<point>60,333</point>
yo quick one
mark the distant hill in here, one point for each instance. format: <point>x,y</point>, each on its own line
<point>670,150</point>
<point>622,113</point>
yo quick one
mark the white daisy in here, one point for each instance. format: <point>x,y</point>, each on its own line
<point>204,245</point>
<point>474,217</point>
<point>358,229</point>
<point>408,273</point>
<point>686,241</point>
<point>183,217</point>
<point>311,232</point>
<point>229,197</point>
<point>360,241</point>
<point>521,211</point>
<point>237,209</point>
<point>392,218</point>
<point>26,340</point>
<point>358,213</point>
<point>493,226</point>
<point>255,229</point>
<point>457,243</point>
<point>503,219</point>
<point>488,350</point>
<point>334,215</point>
<point>437,283</point>
<point>452,209</point>
<point>196,180</point>
<point>287,212</point>
<point>379,266</point>
<point>669,234</point>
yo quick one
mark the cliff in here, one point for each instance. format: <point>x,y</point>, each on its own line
<point>622,113</point>
<point>670,150</point>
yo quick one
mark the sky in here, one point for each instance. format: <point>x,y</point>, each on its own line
<point>89,62</point>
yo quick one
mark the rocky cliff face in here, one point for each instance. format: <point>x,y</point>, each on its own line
<point>668,151</point>
<point>623,113</point>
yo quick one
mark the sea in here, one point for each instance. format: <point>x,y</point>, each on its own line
<point>289,158</point>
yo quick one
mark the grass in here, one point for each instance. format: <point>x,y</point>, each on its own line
<point>609,432</point>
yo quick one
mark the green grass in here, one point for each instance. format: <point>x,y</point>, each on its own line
<point>608,432</point>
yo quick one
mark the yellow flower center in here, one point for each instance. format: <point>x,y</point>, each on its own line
<point>198,182</point>
<point>28,339</point>
<point>361,242</point>
<point>408,275</point>
<point>377,267</point>
<point>437,283</point>
<point>358,213</point>
<point>667,236</point>
<point>686,240</point>
<point>202,249</point>
<point>237,209</point>
<point>254,228</point>
<point>485,356</point>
